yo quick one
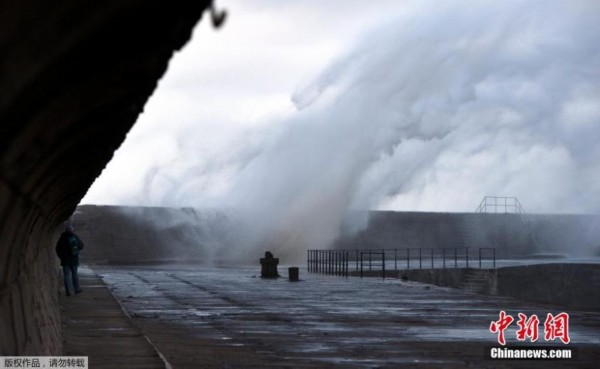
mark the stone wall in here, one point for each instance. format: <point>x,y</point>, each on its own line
<point>74,76</point>
<point>512,235</point>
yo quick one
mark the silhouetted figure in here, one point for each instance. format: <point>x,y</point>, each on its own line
<point>67,249</point>
<point>269,266</point>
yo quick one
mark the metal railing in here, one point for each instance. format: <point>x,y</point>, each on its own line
<point>508,205</point>
<point>491,204</point>
<point>340,262</point>
<point>331,262</point>
<point>371,254</point>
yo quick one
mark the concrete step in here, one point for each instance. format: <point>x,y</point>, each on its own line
<point>475,280</point>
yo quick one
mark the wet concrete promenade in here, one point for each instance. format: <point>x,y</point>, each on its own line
<point>95,326</point>
<point>231,318</point>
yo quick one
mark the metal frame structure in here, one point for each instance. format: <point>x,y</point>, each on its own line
<point>507,205</point>
<point>339,262</point>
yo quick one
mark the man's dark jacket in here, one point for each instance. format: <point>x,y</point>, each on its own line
<point>63,249</point>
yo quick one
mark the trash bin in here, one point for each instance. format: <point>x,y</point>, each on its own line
<point>294,274</point>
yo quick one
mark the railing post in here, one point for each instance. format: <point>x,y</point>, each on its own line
<point>494,253</point>
<point>331,262</point>
<point>420,259</point>
<point>361,264</point>
<point>395,259</point>
<point>480,258</point>
<point>357,259</point>
<point>444,257</point>
<point>455,258</point>
<point>383,262</point>
<point>334,260</point>
<point>322,262</point>
<point>323,254</point>
<point>432,258</point>
<point>318,261</point>
<point>467,256</point>
<point>370,260</point>
<point>346,256</point>
<point>408,258</point>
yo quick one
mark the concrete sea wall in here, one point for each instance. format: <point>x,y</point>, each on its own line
<point>151,234</point>
<point>567,285</point>
<point>512,235</point>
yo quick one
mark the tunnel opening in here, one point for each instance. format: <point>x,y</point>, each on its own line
<point>74,79</point>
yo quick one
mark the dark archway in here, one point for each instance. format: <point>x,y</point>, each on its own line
<point>74,76</point>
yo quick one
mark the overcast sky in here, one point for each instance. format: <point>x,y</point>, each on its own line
<point>424,105</point>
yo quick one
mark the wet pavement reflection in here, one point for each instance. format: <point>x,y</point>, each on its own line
<point>232,318</point>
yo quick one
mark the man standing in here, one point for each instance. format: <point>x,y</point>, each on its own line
<point>67,249</point>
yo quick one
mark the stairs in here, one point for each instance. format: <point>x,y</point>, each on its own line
<point>479,281</point>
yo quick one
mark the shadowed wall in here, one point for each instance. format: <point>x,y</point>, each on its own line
<point>74,76</point>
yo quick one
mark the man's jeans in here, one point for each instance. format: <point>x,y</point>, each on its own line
<point>70,272</point>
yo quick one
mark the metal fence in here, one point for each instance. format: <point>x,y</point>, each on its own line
<point>332,262</point>
<point>340,262</point>
<point>371,254</point>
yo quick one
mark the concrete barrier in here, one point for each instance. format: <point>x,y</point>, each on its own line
<point>562,284</point>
